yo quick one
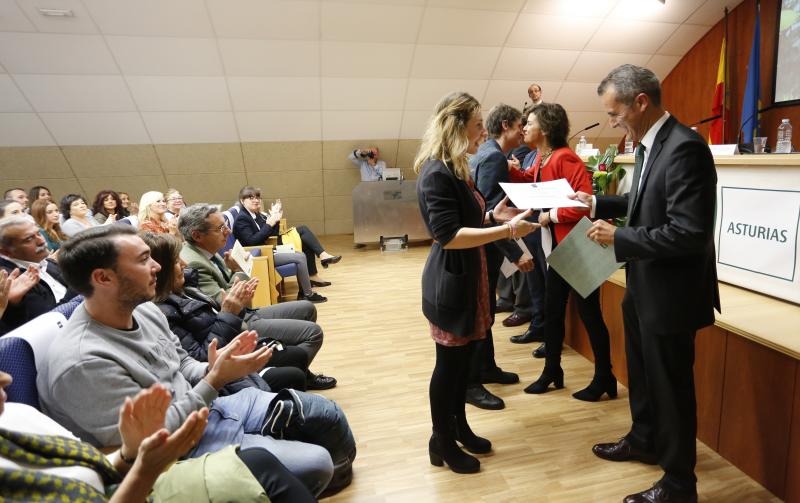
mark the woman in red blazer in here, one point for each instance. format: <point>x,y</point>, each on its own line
<point>549,126</point>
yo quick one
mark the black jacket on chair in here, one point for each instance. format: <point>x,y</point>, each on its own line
<point>250,234</point>
<point>38,300</point>
<point>451,277</point>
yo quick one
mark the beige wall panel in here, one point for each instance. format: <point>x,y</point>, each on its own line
<point>301,210</point>
<point>338,226</point>
<point>316,226</point>
<point>112,160</point>
<point>334,153</point>
<point>406,153</point>
<point>209,188</point>
<point>282,156</point>
<point>185,159</point>
<point>59,187</point>
<point>341,182</point>
<point>338,208</point>
<point>287,184</point>
<point>27,162</point>
<point>133,185</point>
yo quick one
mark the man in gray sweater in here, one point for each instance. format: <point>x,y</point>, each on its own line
<point>117,343</point>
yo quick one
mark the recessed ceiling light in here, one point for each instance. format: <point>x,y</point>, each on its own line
<point>56,12</point>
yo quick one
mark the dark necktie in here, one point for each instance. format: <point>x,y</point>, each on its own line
<point>637,175</point>
<point>221,266</point>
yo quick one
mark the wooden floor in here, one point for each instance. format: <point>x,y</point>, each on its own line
<point>377,345</point>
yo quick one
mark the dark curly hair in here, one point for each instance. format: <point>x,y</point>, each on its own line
<point>554,123</point>
<point>98,206</point>
<point>66,203</point>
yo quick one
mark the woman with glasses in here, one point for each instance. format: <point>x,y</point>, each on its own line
<point>152,211</point>
<point>252,228</point>
<point>174,203</point>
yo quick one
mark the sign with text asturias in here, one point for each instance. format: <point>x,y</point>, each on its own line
<point>758,231</point>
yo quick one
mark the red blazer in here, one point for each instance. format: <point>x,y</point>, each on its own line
<point>564,163</point>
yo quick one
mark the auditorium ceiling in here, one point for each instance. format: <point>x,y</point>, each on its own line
<point>106,72</point>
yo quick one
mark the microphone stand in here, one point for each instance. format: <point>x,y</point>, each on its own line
<point>582,130</point>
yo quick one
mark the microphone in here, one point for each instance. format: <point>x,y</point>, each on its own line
<point>744,123</point>
<point>582,130</point>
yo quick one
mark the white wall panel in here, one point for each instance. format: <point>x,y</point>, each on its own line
<point>594,66</point>
<point>373,23</point>
<point>414,124</point>
<point>23,130</point>
<point>172,18</point>
<point>279,126</point>
<point>348,125</point>
<point>52,53</point>
<point>465,27</point>
<point>423,94</point>
<point>97,128</point>
<point>267,19</point>
<point>579,97</point>
<point>191,127</point>
<point>166,55</point>
<point>454,62</point>
<point>11,100</point>
<point>363,94</point>
<point>79,22</point>
<point>76,93</point>
<point>274,93</point>
<point>180,94</point>
<point>368,60</point>
<point>540,31</point>
<point>534,64</point>
<point>270,58</point>
<point>682,40</point>
<point>640,36</point>
<point>515,92</point>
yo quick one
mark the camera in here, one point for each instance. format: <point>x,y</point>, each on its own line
<point>366,153</point>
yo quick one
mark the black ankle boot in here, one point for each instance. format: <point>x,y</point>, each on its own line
<point>464,434</point>
<point>443,450</point>
<point>549,376</point>
<point>599,386</point>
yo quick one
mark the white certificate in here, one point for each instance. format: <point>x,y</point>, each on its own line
<point>242,258</point>
<point>541,195</point>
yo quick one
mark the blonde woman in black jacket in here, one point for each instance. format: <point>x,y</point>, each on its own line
<point>455,296</point>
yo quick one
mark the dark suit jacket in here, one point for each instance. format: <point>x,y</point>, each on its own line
<point>489,167</point>
<point>668,243</point>
<point>38,300</point>
<point>450,278</point>
<point>250,234</point>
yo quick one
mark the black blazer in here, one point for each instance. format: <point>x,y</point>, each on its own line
<point>490,167</point>
<point>38,300</point>
<point>450,278</point>
<point>248,233</point>
<point>668,243</point>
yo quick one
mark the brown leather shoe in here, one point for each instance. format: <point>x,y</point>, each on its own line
<point>623,451</point>
<point>660,494</point>
<point>517,319</point>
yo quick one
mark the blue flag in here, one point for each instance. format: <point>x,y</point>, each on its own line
<point>750,101</point>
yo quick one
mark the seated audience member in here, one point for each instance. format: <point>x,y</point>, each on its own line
<point>147,450</point>
<point>39,192</point>
<point>46,215</point>
<point>40,286</point>
<point>174,203</point>
<point>76,215</point>
<point>152,211</point>
<point>292,323</point>
<point>192,317</point>
<point>117,343</point>
<point>128,207</point>
<point>18,195</point>
<point>252,229</point>
<point>10,208</point>
<point>106,207</point>
<point>367,160</point>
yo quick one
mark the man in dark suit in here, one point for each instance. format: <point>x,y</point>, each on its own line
<point>40,287</point>
<point>489,167</point>
<point>668,245</point>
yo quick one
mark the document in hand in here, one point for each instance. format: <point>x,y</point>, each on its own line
<point>541,195</point>
<point>242,258</point>
<point>583,263</point>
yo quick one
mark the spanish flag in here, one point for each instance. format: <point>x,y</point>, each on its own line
<point>715,134</point>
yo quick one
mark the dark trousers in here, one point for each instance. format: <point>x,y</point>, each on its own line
<point>448,386</point>
<point>662,397</point>
<point>279,483</point>
<point>311,247</point>
<point>483,355</point>
<point>589,310</point>
<point>535,280</point>
<point>287,369</point>
<point>514,291</point>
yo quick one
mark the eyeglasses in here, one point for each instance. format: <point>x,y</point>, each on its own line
<point>221,228</point>
<point>254,197</point>
<point>177,198</point>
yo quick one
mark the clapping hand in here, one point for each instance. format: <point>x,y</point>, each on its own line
<point>235,360</point>
<point>239,295</point>
<point>5,287</point>
<point>21,284</point>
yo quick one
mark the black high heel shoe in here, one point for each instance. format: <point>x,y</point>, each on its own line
<point>441,451</point>
<point>471,442</point>
<point>328,261</point>
<point>542,385</point>
<point>597,388</point>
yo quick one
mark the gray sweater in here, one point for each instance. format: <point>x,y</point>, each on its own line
<point>91,368</point>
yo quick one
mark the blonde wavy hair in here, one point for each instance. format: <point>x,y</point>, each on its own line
<point>147,199</point>
<point>445,138</point>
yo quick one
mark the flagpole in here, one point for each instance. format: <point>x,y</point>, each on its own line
<point>725,81</point>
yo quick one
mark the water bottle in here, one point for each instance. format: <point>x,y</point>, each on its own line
<point>582,144</point>
<point>784,144</point>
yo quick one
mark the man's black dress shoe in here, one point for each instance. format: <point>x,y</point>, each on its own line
<point>660,494</point>
<point>482,398</point>
<point>503,307</point>
<point>320,283</point>
<point>312,297</point>
<point>528,337</point>
<point>517,319</point>
<point>328,261</point>
<point>320,382</point>
<point>499,376</point>
<point>540,351</point>
<point>624,451</point>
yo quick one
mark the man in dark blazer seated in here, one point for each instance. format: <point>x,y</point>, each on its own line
<point>668,245</point>
<point>40,287</point>
<point>489,167</point>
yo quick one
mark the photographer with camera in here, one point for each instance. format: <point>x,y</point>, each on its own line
<point>367,161</point>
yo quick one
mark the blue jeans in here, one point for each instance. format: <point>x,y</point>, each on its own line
<point>238,419</point>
